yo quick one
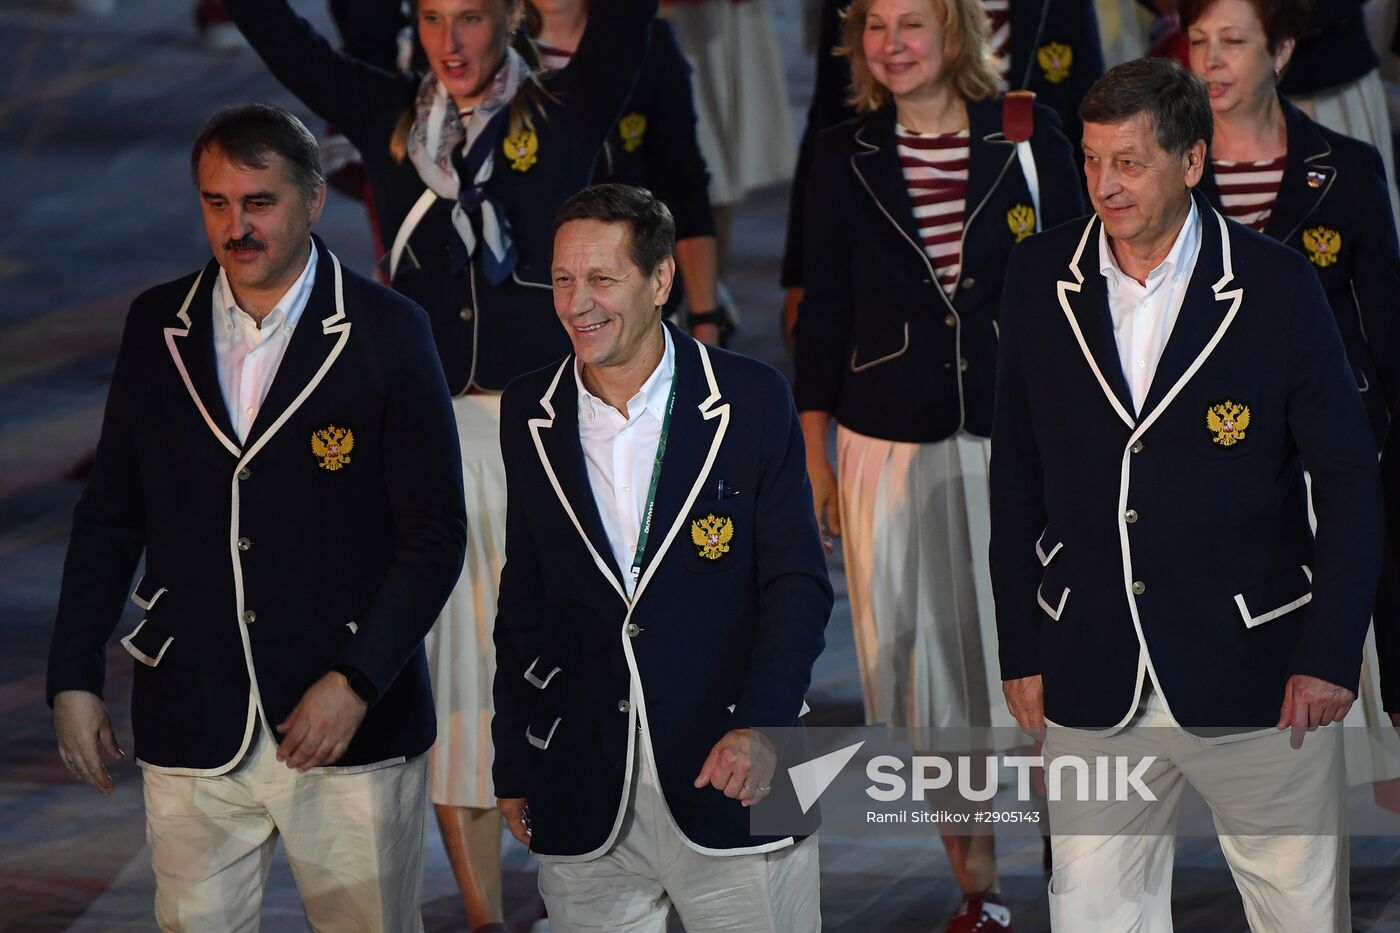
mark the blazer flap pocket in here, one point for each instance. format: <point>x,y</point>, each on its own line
<point>1048,546</point>
<point>1278,597</point>
<point>872,352</point>
<point>540,672</point>
<point>147,593</point>
<point>540,731</point>
<point>148,642</point>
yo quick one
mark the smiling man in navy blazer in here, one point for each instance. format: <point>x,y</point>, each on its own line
<point>664,593</point>
<point>1164,375</point>
<point>279,443</point>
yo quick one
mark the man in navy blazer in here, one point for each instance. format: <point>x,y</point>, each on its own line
<point>664,596</point>
<point>279,445</point>
<point>1164,376</point>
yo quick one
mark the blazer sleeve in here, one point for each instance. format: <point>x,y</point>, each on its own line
<point>1328,422</point>
<point>794,593</point>
<point>364,102</point>
<point>600,77</point>
<point>1017,490</point>
<point>109,534</point>
<point>1061,179</point>
<point>1376,282</point>
<point>519,608</point>
<point>675,168</point>
<point>423,481</point>
<point>825,317</point>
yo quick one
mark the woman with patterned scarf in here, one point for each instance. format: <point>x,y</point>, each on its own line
<point>468,164</point>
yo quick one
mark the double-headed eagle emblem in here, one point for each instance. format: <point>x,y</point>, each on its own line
<point>632,128</point>
<point>1323,244</point>
<point>522,149</point>
<point>1021,220</point>
<point>1054,59</point>
<point>711,535</point>
<point>1227,422</point>
<point>331,446</point>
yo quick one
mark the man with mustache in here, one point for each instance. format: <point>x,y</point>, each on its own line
<point>279,444</point>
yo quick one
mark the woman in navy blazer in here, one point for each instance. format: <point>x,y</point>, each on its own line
<point>468,163</point>
<point>896,339</point>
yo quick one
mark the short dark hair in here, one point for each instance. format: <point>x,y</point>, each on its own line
<point>247,133</point>
<point>1281,19</point>
<point>1174,100</point>
<point>653,229</point>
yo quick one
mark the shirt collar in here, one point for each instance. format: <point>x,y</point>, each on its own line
<point>1183,248</point>
<point>288,308</point>
<point>651,397</point>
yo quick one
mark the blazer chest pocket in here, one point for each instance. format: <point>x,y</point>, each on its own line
<point>1266,602</point>
<point>870,352</point>
<point>709,537</point>
<point>151,637</point>
<point>1228,422</point>
<point>1053,593</point>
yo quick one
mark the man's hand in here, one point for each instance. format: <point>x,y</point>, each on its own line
<point>84,732</point>
<point>516,810</point>
<point>826,499</point>
<point>319,730</point>
<point>1025,697</point>
<point>741,765</point>
<point>1309,702</point>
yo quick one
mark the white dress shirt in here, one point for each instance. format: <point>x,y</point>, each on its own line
<point>619,453</point>
<point>1144,313</point>
<point>247,355</point>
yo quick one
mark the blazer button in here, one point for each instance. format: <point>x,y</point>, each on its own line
<point>623,706</point>
<point>1139,587</point>
<point>244,473</point>
<point>962,364</point>
<point>633,630</point>
<point>1137,448</point>
<point>250,616</point>
<point>967,282</point>
<point>1130,516</point>
<point>244,543</point>
<point>466,314</point>
<point>928,281</point>
<point>951,320</point>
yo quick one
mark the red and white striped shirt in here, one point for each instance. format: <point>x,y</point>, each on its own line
<point>935,170</point>
<point>999,33</point>
<point>1248,189</point>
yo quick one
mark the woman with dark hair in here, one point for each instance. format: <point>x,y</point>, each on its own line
<point>1275,169</point>
<point>468,163</point>
<point>913,208</point>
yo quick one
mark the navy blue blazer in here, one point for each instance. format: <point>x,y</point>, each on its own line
<point>486,335</point>
<point>269,562</point>
<point>1065,31</point>
<point>1174,544</point>
<point>654,144</point>
<point>1333,191</point>
<point>879,342</point>
<point>714,644</point>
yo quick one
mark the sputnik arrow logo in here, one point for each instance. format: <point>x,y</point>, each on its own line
<point>811,778</point>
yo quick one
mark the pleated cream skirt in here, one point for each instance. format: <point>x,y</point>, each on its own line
<point>461,656</point>
<point>915,529</point>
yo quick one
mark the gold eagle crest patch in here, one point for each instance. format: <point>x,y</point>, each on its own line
<point>632,128</point>
<point>1227,422</point>
<point>331,446</point>
<point>1054,59</point>
<point>522,149</point>
<point>1021,220</point>
<point>1323,244</point>
<point>711,535</point>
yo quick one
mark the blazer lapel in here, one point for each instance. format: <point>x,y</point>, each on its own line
<point>317,340</point>
<point>698,426</point>
<point>561,454</point>
<point>1206,311</point>
<point>1084,300</point>
<point>1307,177</point>
<point>878,169</point>
<point>190,341</point>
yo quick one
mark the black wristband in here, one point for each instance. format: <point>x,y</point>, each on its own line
<point>719,317</point>
<point>364,687</point>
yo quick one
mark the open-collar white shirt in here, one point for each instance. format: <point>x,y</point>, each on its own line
<point>1145,313</point>
<point>248,355</point>
<point>619,452</point>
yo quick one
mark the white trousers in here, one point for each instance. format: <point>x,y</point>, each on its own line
<point>651,869</point>
<point>353,838</point>
<point>1113,860</point>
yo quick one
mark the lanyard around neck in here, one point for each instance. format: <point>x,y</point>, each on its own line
<point>645,531</point>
